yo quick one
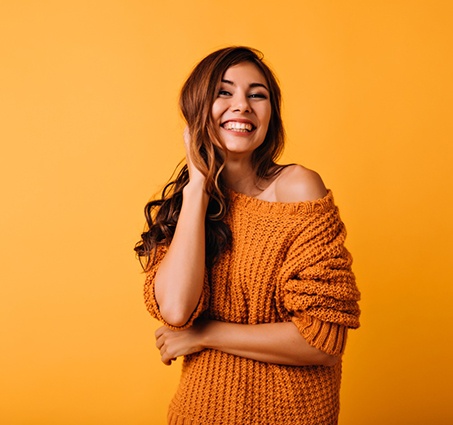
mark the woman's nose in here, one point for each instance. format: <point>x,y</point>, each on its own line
<point>241,104</point>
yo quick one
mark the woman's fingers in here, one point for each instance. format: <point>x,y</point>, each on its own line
<point>186,135</point>
<point>195,174</point>
<point>187,139</point>
<point>162,345</point>
<point>172,344</point>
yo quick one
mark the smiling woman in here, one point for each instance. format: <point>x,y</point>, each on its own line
<point>245,260</point>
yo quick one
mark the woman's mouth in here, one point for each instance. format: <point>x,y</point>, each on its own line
<point>242,127</point>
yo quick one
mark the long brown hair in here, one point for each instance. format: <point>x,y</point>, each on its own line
<point>197,97</point>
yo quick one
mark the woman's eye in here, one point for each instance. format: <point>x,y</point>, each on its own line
<point>258,96</point>
<point>224,93</point>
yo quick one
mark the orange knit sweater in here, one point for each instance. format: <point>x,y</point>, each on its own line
<point>287,262</point>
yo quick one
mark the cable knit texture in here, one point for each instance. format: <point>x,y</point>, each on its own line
<point>287,263</point>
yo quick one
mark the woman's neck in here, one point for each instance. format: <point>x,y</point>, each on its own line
<point>241,177</point>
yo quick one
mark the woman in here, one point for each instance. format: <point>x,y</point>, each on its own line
<point>245,261</point>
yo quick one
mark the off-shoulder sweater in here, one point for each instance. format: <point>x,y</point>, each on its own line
<point>287,263</point>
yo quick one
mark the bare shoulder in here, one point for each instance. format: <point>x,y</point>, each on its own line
<point>299,184</point>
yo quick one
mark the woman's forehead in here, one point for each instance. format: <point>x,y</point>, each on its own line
<point>244,71</point>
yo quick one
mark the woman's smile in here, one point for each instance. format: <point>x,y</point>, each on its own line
<point>239,126</point>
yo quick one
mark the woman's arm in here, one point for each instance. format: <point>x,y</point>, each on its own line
<point>279,343</point>
<point>179,280</point>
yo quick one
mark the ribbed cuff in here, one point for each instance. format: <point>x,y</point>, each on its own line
<point>327,337</point>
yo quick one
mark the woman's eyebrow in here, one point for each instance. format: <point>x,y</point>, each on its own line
<point>252,85</point>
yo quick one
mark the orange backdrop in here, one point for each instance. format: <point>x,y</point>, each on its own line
<point>89,130</point>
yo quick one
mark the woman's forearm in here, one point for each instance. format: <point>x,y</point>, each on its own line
<point>279,343</point>
<point>179,279</point>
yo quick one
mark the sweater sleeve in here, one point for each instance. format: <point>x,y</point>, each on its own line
<point>318,288</point>
<point>150,298</point>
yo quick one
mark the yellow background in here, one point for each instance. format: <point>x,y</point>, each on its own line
<point>89,130</point>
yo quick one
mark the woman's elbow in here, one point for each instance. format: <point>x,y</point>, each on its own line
<point>176,317</point>
<point>329,360</point>
<point>320,358</point>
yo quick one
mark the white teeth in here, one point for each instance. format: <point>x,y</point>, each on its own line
<point>237,126</point>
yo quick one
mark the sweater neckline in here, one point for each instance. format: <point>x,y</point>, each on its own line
<point>257,205</point>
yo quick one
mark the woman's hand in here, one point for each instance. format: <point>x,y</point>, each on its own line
<point>195,175</point>
<point>173,344</point>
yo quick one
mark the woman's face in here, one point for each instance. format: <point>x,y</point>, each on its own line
<point>242,109</point>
